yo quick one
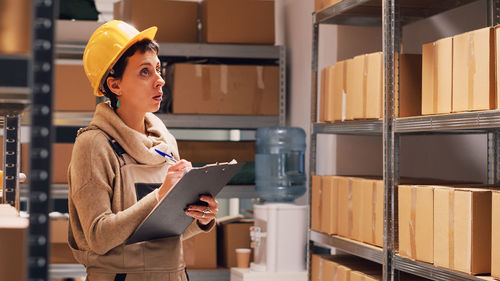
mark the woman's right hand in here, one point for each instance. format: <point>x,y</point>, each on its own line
<point>174,174</point>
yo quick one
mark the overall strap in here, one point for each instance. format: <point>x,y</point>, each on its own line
<point>122,155</point>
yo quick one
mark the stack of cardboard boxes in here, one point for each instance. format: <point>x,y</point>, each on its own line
<point>459,73</point>
<point>353,89</point>
<point>215,88</point>
<point>348,206</point>
<point>450,227</point>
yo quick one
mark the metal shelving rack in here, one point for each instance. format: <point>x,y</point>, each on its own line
<point>392,15</point>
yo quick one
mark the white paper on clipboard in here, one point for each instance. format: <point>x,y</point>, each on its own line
<point>168,218</point>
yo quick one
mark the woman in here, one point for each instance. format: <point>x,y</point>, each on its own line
<point>115,176</point>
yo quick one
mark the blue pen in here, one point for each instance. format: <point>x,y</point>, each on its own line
<point>166,155</point>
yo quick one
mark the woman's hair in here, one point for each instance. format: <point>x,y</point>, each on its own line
<point>119,67</point>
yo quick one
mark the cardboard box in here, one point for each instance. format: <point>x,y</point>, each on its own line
<point>473,71</point>
<point>495,232</point>
<point>462,227</point>
<point>15,27</point>
<point>329,104</point>
<point>14,244</point>
<point>200,251</point>
<point>373,212</point>
<point>217,151</point>
<point>61,157</point>
<point>350,202</point>
<point>322,4</point>
<point>355,85</point>
<point>373,86</point>
<point>231,236</point>
<point>329,204</point>
<point>322,94</point>
<point>339,90</point>
<point>177,21</point>
<point>226,89</point>
<point>75,30</point>
<point>60,252</point>
<point>437,76</point>
<point>316,264</point>
<point>416,220</point>
<point>72,88</point>
<point>410,85</point>
<point>316,203</point>
<point>360,276</point>
<point>242,21</point>
<point>497,63</point>
<point>345,221</point>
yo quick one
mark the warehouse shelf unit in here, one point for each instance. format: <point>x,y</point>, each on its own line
<point>267,53</point>
<point>392,14</point>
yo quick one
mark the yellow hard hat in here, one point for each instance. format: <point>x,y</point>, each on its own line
<point>105,47</point>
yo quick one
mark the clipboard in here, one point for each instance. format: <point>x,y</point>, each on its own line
<point>168,218</point>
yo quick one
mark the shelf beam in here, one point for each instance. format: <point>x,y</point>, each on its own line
<point>479,120</point>
<point>369,12</point>
<point>350,128</point>
<point>431,272</point>
<point>359,249</point>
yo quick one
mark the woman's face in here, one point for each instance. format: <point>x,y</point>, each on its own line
<point>141,84</point>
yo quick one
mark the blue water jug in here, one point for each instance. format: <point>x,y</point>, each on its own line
<point>279,163</point>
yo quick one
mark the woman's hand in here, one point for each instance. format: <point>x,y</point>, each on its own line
<point>174,174</point>
<point>204,214</point>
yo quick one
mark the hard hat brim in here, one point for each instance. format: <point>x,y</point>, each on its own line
<point>149,33</point>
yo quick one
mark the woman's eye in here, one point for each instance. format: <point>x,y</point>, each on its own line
<point>144,72</point>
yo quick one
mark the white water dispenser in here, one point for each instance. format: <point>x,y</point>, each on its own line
<point>279,238</point>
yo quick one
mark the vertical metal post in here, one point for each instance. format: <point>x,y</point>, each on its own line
<point>11,153</point>
<point>41,138</point>
<point>391,48</point>
<point>493,163</point>
<point>492,8</point>
<point>283,86</point>
<point>312,135</point>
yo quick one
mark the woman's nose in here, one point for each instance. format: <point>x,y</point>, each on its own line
<point>159,81</point>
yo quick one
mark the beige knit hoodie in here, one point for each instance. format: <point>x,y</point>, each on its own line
<point>99,222</point>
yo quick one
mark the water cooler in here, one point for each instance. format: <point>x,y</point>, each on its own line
<point>279,236</point>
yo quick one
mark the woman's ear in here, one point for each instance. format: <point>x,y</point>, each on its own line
<point>114,85</point>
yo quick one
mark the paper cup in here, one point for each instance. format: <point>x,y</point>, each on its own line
<point>242,257</point>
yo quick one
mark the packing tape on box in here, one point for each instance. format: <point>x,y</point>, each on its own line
<point>374,211</point>
<point>435,78</point>
<point>206,82</point>
<point>350,222</point>
<point>413,222</point>
<point>451,229</point>
<point>259,97</point>
<point>365,84</point>
<point>198,70</point>
<point>223,79</point>
<point>471,70</point>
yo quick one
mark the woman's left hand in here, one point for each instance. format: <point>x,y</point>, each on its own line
<point>204,214</point>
